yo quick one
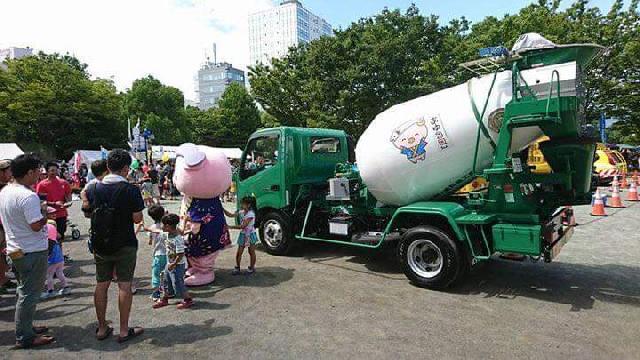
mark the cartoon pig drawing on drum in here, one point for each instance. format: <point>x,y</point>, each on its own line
<point>411,139</point>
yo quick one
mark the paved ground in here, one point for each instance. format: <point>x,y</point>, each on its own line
<point>336,302</point>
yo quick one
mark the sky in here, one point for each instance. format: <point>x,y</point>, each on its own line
<point>128,39</point>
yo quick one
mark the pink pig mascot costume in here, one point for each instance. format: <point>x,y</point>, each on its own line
<point>202,174</point>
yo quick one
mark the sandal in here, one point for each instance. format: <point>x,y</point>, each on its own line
<point>131,334</point>
<point>40,329</point>
<point>39,340</point>
<point>106,334</point>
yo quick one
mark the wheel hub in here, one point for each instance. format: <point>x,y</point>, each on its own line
<point>273,233</point>
<point>425,258</point>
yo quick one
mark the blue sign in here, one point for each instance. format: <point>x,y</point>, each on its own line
<point>603,128</point>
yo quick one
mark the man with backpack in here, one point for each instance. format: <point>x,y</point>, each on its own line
<point>115,206</point>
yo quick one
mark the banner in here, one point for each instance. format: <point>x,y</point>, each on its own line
<point>603,128</point>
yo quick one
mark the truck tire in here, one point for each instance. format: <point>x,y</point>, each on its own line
<point>430,257</point>
<point>275,234</point>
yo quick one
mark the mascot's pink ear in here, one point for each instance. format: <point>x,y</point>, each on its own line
<point>201,172</point>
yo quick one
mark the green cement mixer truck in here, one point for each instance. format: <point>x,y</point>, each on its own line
<point>397,186</point>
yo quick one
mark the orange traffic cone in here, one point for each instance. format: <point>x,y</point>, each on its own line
<point>632,195</point>
<point>597,209</point>
<point>624,184</point>
<point>616,201</point>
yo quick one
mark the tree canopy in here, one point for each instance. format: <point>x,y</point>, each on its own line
<point>231,123</point>
<point>48,102</point>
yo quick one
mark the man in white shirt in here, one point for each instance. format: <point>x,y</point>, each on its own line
<point>22,217</point>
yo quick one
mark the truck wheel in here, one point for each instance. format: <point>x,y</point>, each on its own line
<point>430,257</point>
<point>275,234</point>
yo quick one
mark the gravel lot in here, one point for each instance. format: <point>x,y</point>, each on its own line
<point>333,302</point>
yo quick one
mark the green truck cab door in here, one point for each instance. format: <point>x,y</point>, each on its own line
<point>261,171</point>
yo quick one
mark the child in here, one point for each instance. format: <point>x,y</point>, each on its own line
<point>56,260</point>
<point>156,212</point>
<point>147,191</point>
<point>247,237</point>
<point>176,263</point>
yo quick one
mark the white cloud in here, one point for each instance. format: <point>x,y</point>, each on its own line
<point>128,39</point>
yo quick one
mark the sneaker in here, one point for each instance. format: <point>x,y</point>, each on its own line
<point>64,291</point>
<point>160,303</point>
<point>251,270</point>
<point>47,295</point>
<point>155,296</point>
<point>185,304</point>
<point>67,259</point>
<point>236,271</point>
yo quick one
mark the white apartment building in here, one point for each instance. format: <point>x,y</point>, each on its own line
<point>272,32</point>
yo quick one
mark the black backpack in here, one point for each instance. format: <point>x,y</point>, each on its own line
<point>103,237</point>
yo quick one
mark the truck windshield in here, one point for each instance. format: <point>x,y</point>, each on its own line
<point>262,153</point>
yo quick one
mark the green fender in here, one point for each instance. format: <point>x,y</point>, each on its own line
<point>447,210</point>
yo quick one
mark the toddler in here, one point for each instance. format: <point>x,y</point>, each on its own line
<point>147,191</point>
<point>55,260</point>
<point>248,237</point>
<point>156,239</point>
<point>176,263</point>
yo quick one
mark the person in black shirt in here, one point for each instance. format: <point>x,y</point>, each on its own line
<point>127,204</point>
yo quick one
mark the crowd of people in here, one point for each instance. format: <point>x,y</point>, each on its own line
<point>34,217</point>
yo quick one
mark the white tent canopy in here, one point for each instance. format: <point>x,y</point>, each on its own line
<point>9,151</point>
<point>159,150</point>
<point>86,157</point>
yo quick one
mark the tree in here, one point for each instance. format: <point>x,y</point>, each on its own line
<point>231,123</point>
<point>160,109</point>
<point>345,81</point>
<point>48,102</point>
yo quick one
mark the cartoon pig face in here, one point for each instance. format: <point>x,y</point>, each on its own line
<point>409,134</point>
<point>201,172</point>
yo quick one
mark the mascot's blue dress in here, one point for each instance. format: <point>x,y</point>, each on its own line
<point>214,233</point>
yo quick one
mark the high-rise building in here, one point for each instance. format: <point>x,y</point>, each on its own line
<point>14,53</point>
<point>272,32</point>
<point>213,80</point>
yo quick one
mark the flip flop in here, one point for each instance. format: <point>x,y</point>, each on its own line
<point>131,334</point>
<point>40,329</point>
<point>106,334</point>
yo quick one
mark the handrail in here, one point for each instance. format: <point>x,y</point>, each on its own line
<point>555,72</point>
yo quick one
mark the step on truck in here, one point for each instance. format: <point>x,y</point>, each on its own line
<point>307,185</point>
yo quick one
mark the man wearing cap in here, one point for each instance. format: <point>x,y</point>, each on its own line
<point>23,218</point>
<point>5,178</point>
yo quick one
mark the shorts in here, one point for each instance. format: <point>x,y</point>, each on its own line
<point>155,190</point>
<point>157,267</point>
<point>122,262</point>
<point>61,225</point>
<point>242,239</point>
<point>175,281</point>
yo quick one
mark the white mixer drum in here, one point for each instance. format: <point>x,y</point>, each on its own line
<point>425,147</point>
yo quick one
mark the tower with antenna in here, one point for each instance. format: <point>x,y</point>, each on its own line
<point>214,77</point>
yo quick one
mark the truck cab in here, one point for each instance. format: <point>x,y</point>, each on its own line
<point>277,165</point>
